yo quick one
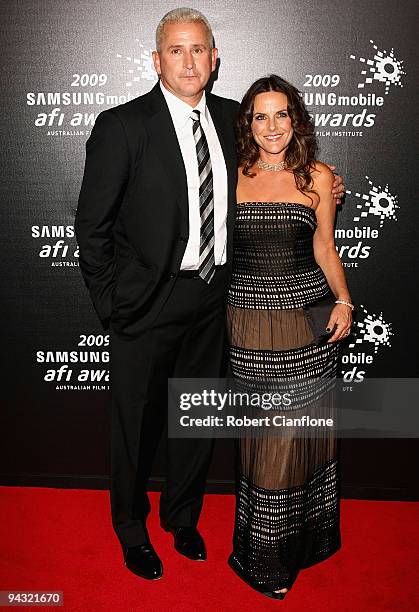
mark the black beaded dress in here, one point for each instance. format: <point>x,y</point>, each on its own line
<point>287,503</point>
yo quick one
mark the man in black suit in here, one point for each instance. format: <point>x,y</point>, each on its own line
<point>154,226</point>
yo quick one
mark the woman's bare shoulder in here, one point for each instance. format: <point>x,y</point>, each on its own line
<point>322,174</point>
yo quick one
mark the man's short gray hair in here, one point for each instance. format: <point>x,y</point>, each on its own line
<point>183,15</point>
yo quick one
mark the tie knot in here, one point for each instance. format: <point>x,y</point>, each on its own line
<point>195,115</point>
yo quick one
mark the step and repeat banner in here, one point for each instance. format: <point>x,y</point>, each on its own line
<point>63,63</point>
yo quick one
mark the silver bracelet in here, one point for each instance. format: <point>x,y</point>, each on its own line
<point>345,303</point>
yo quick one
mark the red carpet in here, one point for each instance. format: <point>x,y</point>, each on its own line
<point>59,539</point>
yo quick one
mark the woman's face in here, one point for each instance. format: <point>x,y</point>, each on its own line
<point>271,124</point>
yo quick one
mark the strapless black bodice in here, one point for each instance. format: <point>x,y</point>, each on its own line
<point>273,262</point>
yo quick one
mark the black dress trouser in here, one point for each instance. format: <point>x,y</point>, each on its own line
<point>185,341</point>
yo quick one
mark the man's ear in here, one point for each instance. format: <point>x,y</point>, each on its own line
<point>156,62</point>
<point>214,55</point>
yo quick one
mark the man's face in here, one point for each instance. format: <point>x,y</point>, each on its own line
<point>185,61</point>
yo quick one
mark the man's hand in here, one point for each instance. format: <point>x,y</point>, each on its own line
<point>338,188</point>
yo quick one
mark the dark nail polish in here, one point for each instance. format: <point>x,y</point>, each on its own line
<point>328,329</point>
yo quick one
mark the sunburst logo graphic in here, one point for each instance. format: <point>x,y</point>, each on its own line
<point>383,67</point>
<point>372,329</point>
<point>140,67</point>
<point>378,202</point>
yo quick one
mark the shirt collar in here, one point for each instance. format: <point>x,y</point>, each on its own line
<point>181,111</point>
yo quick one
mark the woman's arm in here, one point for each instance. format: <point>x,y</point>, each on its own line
<point>326,254</point>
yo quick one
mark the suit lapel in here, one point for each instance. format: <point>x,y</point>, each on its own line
<point>225,134</point>
<point>226,142</point>
<point>166,147</point>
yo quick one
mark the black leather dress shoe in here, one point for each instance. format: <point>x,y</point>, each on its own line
<point>143,561</point>
<point>188,542</point>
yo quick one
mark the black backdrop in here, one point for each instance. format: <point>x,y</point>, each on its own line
<point>62,63</point>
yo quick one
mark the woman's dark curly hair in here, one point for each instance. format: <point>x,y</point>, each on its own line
<point>301,151</point>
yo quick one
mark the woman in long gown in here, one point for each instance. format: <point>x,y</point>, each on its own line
<point>287,503</point>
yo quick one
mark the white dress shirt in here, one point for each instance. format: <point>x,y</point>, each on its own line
<point>181,116</point>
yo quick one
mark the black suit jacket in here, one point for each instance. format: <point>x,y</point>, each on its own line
<point>132,221</point>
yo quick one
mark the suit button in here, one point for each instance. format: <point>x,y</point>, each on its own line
<point>172,275</point>
<point>182,239</point>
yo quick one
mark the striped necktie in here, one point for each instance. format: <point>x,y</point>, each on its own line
<point>206,201</point>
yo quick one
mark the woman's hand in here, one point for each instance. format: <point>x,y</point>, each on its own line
<point>341,317</point>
